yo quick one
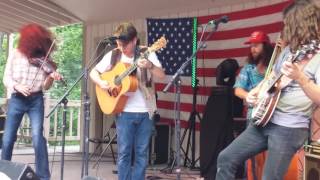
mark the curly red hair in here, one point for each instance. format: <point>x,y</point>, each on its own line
<point>35,41</point>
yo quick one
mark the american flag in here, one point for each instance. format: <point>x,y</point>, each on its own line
<point>227,42</point>
<point>179,35</point>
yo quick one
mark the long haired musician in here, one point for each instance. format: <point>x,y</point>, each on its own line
<point>297,71</point>
<point>25,78</point>
<point>250,76</point>
<point>133,122</point>
<point>258,59</point>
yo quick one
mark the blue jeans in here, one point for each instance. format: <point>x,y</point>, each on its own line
<point>34,107</point>
<point>133,133</point>
<point>281,143</point>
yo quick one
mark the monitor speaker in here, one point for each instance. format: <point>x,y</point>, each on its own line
<point>16,171</point>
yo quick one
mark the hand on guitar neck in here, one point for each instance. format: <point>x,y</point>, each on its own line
<point>144,63</point>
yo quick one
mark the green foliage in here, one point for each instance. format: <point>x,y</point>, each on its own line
<point>3,56</point>
<point>68,56</point>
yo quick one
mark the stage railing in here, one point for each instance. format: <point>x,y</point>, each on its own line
<point>52,125</point>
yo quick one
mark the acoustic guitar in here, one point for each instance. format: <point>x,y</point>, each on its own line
<point>120,76</point>
<point>269,93</point>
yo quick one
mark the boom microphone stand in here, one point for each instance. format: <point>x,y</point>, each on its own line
<point>176,80</point>
<point>86,110</point>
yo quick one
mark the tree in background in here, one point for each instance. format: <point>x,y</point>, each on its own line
<point>68,57</point>
<point>3,60</point>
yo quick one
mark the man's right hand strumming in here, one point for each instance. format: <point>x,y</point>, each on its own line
<point>252,98</point>
<point>113,90</point>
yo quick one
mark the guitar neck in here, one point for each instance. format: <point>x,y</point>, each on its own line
<point>273,80</point>
<point>133,67</point>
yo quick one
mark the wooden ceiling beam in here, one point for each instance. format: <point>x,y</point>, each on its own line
<point>54,7</point>
<point>26,12</point>
<point>48,13</point>
<point>22,17</point>
<point>7,23</point>
<point>5,29</point>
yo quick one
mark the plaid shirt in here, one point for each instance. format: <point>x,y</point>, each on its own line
<point>19,71</point>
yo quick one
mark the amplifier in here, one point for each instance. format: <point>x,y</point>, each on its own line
<point>160,144</point>
<point>312,162</point>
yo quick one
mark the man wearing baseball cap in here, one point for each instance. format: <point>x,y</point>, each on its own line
<point>258,37</point>
<point>258,59</point>
<point>250,76</point>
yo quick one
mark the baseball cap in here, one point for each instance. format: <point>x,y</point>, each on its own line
<point>258,37</point>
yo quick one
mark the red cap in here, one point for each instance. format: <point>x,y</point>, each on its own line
<point>258,37</point>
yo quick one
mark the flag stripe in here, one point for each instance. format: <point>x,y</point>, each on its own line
<point>260,11</point>
<point>245,23</point>
<point>185,98</point>
<point>234,43</point>
<point>227,53</point>
<point>184,123</point>
<point>244,32</point>
<point>186,89</point>
<point>183,106</point>
<point>213,63</point>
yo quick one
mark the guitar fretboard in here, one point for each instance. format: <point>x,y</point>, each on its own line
<point>275,78</point>
<point>118,79</point>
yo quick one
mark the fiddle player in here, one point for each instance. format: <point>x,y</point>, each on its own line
<point>26,79</point>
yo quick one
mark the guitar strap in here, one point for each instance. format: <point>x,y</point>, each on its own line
<point>115,56</point>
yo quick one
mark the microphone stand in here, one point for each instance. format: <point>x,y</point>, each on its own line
<point>86,111</point>
<point>176,80</point>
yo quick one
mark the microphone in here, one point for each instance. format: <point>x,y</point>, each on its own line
<point>222,19</point>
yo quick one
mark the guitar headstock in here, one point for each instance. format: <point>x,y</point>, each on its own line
<point>311,48</point>
<point>159,44</point>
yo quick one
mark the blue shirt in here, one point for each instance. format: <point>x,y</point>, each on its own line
<point>248,79</point>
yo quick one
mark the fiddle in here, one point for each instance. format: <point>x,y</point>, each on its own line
<point>46,64</point>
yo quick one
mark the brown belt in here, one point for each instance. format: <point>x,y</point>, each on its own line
<point>31,94</point>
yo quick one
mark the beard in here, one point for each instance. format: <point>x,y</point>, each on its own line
<point>256,58</point>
